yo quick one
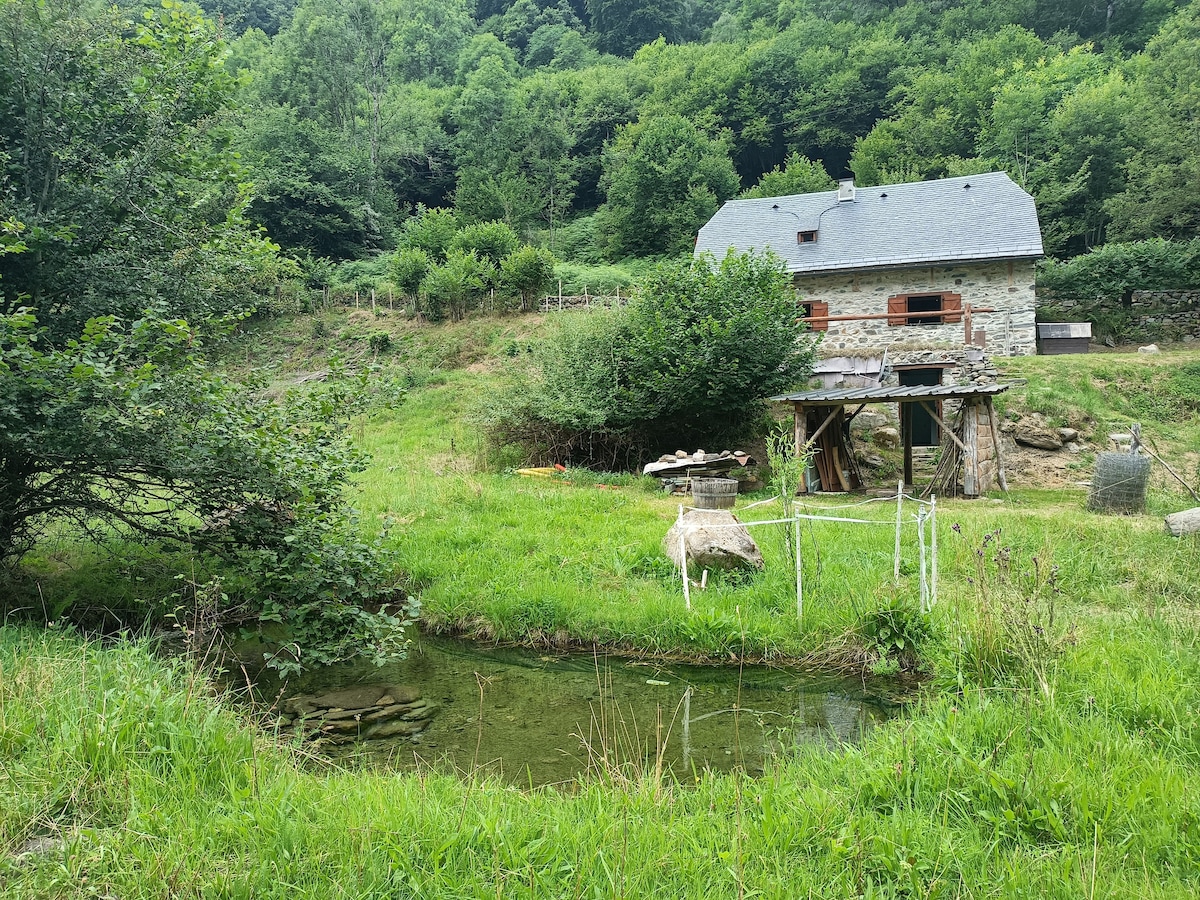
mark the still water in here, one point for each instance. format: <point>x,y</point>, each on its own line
<point>539,719</point>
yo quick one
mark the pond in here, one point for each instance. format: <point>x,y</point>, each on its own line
<point>539,719</point>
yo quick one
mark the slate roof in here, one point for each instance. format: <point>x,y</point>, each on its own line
<point>975,217</point>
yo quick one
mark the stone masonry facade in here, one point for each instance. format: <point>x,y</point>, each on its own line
<point>1005,285</point>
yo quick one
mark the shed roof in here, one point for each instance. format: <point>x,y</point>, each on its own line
<point>893,394</point>
<point>972,218</point>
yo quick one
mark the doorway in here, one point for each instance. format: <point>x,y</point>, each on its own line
<point>914,418</point>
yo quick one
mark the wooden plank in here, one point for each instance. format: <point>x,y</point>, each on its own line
<point>816,434</point>
<point>801,436</point>
<point>970,466</point>
<point>837,468</point>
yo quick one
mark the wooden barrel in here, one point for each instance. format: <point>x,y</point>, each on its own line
<point>714,493</point>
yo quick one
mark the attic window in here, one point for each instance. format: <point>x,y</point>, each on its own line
<point>806,237</point>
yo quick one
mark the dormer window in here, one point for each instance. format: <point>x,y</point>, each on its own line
<point>806,237</point>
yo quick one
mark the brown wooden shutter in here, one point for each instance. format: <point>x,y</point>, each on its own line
<point>819,309</point>
<point>897,309</point>
<point>952,307</point>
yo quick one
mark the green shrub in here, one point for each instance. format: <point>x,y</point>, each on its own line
<point>688,361</point>
<point>492,241</point>
<point>598,280</point>
<point>1115,271</point>
<point>379,342</point>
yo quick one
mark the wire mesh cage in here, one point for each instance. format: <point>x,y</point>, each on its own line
<point>1119,484</point>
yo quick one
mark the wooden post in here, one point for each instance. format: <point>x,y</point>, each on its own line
<point>356,299</point>
<point>971,454</point>
<point>560,295</point>
<point>801,426</point>
<point>991,411</point>
<point>967,335</point>
<point>372,301</point>
<point>390,298</point>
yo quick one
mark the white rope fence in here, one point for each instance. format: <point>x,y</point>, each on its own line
<point>925,517</point>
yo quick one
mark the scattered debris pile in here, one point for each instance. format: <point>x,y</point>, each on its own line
<point>676,470</point>
<point>359,713</point>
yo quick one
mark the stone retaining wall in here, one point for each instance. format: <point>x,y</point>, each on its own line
<point>1150,315</point>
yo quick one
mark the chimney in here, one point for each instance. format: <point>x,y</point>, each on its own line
<point>846,190</point>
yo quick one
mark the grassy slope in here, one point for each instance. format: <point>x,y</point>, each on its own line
<point>1064,763</point>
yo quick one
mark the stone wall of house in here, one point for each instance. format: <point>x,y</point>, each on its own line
<point>1008,287</point>
<point>1150,316</point>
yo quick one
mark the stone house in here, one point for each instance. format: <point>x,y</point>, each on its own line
<point>909,283</point>
<point>905,260</point>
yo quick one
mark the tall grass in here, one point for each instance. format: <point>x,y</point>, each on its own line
<point>126,777</point>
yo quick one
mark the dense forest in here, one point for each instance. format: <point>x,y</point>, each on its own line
<point>609,129</point>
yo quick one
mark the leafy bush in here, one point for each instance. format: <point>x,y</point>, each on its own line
<point>1115,271</point>
<point>527,272</point>
<point>492,241</point>
<point>598,280</point>
<point>446,290</point>
<point>379,342</point>
<point>687,362</point>
<point>578,241</point>
<point>431,230</point>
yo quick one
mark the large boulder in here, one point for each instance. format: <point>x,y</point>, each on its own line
<point>868,420</point>
<point>886,437</point>
<point>1032,431</point>
<point>1185,522</point>
<point>715,540</point>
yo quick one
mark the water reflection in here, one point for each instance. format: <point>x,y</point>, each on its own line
<point>536,720</point>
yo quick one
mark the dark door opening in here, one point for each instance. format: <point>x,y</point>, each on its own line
<point>914,418</point>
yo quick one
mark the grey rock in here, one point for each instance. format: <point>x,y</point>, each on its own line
<point>868,420</point>
<point>713,541</point>
<point>886,437</point>
<point>398,728</point>
<point>870,460</point>
<point>1149,348</point>
<point>1032,431</point>
<point>1068,435</point>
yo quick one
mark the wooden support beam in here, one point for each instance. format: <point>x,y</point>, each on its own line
<point>991,411</point>
<point>864,317</point>
<point>970,415</point>
<point>945,428</point>
<point>816,434</point>
<point>861,407</point>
